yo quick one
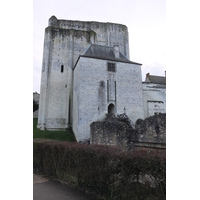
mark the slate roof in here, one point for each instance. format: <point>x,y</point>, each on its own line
<point>155,79</point>
<point>106,53</point>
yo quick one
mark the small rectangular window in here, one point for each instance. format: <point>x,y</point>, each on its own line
<point>111,67</point>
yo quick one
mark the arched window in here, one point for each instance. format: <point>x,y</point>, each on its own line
<point>111,109</point>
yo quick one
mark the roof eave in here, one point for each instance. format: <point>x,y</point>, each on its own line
<point>116,60</point>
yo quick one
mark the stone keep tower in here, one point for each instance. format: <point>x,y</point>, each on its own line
<point>64,41</point>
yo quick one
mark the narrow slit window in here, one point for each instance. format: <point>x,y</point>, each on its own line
<point>115,92</point>
<point>107,90</point>
<point>62,68</point>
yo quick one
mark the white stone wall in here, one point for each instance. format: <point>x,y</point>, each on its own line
<point>44,80</point>
<point>66,47</point>
<point>108,34</point>
<point>61,48</point>
<point>154,98</point>
<point>129,91</point>
<point>64,41</point>
<point>90,93</point>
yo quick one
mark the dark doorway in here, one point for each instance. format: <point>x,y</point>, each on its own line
<point>111,109</point>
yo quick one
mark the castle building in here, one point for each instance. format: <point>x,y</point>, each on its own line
<point>86,73</point>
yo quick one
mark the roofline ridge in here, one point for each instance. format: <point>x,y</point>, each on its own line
<point>154,75</point>
<point>157,76</point>
<point>85,21</point>
<point>86,50</point>
<point>125,59</point>
<point>124,55</point>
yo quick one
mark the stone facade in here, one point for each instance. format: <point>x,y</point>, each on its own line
<point>151,132</point>
<point>96,88</point>
<point>111,131</point>
<point>117,131</point>
<point>64,41</point>
<point>86,73</point>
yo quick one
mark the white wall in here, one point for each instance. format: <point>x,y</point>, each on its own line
<point>108,34</point>
<point>154,98</point>
<point>90,94</point>
<point>64,41</point>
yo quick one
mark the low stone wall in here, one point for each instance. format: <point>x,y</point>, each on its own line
<point>151,132</point>
<point>111,131</point>
<point>118,131</point>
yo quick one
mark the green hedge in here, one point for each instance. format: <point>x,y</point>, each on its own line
<point>109,172</point>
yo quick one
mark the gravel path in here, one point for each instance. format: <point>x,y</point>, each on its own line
<point>46,189</point>
<point>39,179</point>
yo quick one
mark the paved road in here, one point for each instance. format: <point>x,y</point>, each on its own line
<point>45,189</point>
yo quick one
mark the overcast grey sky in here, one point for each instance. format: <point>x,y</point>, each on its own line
<point>145,19</point>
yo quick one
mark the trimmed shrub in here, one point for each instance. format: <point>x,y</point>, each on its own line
<point>107,171</point>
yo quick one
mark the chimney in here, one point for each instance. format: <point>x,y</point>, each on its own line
<point>147,79</point>
<point>165,73</point>
<point>116,51</point>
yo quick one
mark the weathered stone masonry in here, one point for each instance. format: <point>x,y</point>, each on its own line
<point>86,73</point>
<point>117,131</point>
<point>64,41</point>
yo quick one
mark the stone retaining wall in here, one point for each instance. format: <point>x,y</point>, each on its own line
<point>118,131</point>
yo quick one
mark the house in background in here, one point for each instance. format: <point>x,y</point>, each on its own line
<point>36,98</point>
<point>154,94</point>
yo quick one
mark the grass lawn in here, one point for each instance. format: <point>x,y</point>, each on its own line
<point>67,135</point>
